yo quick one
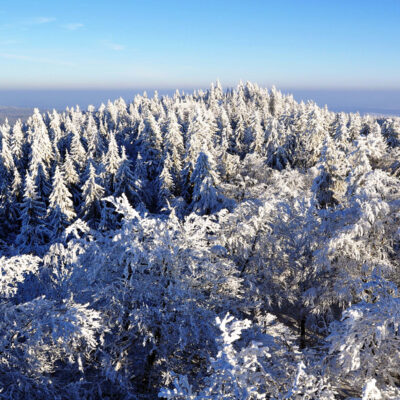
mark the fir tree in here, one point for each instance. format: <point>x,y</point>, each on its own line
<point>42,182</point>
<point>60,196</point>
<point>77,151</point>
<point>41,146</point>
<point>92,193</point>
<point>174,148</point>
<point>258,134</point>
<point>95,142</point>
<point>34,231</point>
<point>17,141</point>
<point>166,183</point>
<point>206,197</point>
<point>112,162</point>
<point>69,171</point>
<point>124,181</point>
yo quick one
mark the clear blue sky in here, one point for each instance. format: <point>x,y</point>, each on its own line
<point>171,43</point>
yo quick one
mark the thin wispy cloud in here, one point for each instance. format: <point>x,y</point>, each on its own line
<point>113,46</point>
<point>41,60</point>
<point>40,20</point>
<point>73,26</point>
<point>25,24</point>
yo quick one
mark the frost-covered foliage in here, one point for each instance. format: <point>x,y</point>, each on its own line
<point>217,245</point>
<point>14,271</point>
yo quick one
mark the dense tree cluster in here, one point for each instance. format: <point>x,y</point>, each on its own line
<point>216,245</point>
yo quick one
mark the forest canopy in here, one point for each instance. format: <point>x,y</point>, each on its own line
<point>228,244</point>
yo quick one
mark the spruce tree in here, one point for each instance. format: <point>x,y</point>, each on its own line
<point>95,142</point>
<point>77,151</point>
<point>166,183</point>
<point>258,134</point>
<point>34,231</point>
<point>69,170</point>
<point>42,182</point>
<point>41,146</point>
<point>92,193</point>
<point>60,195</point>
<point>61,209</point>
<point>124,182</point>
<point>112,161</point>
<point>174,149</point>
<point>17,141</point>
<point>206,197</point>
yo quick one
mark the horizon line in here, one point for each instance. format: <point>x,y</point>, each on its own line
<point>197,87</point>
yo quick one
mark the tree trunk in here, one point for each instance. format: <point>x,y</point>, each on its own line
<point>302,333</point>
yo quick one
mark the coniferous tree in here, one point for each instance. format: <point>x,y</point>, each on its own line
<point>77,151</point>
<point>275,102</point>
<point>148,162</point>
<point>41,146</point>
<point>33,231</point>
<point>258,135</point>
<point>125,182</point>
<point>166,182</point>
<point>392,132</point>
<point>6,155</point>
<point>69,171</point>
<point>330,184</point>
<point>355,126</point>
<point>61,209</point>
<point>92,193</point>
<point>60,195</point>
<point>95,144</point>
<point>341,131</point>
<point>278,152</point>
<point>5,130</point>
<point>206,197</point>
<point>240,134</point>
<point>4,199</point>
<point>309,144</point>
<point>71,177</point>
<point>112,162</point>
<point>17,141</point>
<point>42,180</point>
<point>174,147</point>
<point>16,186</point>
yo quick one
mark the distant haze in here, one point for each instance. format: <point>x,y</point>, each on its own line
<point>385,102</point>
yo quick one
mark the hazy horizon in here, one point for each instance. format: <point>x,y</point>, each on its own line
<point>385,102</point>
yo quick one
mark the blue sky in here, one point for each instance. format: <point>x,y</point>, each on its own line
<point>168,44</point>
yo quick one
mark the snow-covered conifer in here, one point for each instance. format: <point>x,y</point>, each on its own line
<point>95,144</point>
<point>60,195</point>
<point>69,171</point>
<point>124,181</point>
<point>206,197</point>
<point>41,147</point>
<point>258,134</point>
<point>42,180</point>
<point>166,182</point>
<point>17,141</point>
<point>77,150</point>
<point>112,161</point>
<point>92,193</point>
<point>275,102</point>
<point>33,212</point>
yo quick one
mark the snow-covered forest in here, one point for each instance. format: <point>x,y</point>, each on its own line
<point>215,245</point>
